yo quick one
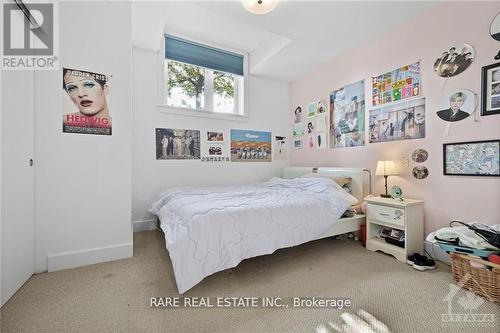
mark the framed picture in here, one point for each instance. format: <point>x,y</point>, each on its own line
<point>490,90</point>
<point>477,158</point>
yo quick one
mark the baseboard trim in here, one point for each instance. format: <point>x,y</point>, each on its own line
<point>144,225</point>
<point>67,260</point>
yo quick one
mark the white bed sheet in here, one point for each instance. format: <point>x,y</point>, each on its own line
<point>208,230</point>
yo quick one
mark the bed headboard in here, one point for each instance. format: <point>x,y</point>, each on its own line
<point>355,173</point>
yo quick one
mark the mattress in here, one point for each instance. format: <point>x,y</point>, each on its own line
<point>211,229</point>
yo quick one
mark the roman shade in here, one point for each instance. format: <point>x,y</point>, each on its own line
<point>182,50</point>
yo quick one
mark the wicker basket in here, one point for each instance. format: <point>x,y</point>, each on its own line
<point>482,281</point>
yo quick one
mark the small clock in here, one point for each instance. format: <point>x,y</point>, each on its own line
<point>396,192</point>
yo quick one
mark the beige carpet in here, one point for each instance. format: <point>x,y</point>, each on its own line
<point>115,297</point>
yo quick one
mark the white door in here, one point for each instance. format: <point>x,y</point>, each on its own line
<point>17,180</point>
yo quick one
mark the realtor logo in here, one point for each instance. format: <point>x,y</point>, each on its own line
<point>469,304</point>
<point>29,36</point>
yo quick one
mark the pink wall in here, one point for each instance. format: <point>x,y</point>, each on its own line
<point>424,37</point>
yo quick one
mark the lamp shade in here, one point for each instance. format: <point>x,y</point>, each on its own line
<point>259,7</point>
<point>386,168</point>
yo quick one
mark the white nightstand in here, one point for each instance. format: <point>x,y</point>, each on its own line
<point>407,215</point>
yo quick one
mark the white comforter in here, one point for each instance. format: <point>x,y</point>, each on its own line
<point>211,229</point>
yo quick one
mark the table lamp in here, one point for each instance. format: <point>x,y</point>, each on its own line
<point>386,169</point>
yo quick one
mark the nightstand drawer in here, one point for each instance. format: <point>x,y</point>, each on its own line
<point>386,214</point>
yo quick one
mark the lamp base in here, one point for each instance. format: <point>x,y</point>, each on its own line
<point>385,196</point>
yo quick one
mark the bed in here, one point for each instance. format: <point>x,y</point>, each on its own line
<point>210,229</point>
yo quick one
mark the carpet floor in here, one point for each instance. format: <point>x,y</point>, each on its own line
<point>115,296</point>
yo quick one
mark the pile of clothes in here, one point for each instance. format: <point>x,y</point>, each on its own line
<point>475,239</point>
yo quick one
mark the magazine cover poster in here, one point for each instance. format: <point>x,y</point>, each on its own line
<point>86,108</point>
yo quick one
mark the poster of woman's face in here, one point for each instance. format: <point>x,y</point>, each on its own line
<point>298,115</point>
<point>86,105</point>
<point>458,105</point>
<point>454,60</point>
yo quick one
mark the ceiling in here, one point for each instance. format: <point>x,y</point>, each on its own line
<point>285,44</point>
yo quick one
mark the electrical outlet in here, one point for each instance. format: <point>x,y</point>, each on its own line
<point>404,162</point>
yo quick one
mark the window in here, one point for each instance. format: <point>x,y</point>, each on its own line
<point>202,78</point>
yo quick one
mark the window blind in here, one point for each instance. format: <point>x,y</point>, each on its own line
<point>182,50</point>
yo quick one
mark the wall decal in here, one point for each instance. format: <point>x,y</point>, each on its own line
<point>420,172</point>
<point>476,158</point>
<point>177,144</point>
<point>86,102</point>
<point>250,146</point>
<point>458,105</point>
<point>347,116</point>
<point>455,60</point>
<point>490,90</point>
<point>400,84</point>
<point>419,155</point>
<point>402,121</point>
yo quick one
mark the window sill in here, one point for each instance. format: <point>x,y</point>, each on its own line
<point>202,114</point>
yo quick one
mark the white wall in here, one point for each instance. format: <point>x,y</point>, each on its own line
<point>268,109</point>
<point>83,182</point>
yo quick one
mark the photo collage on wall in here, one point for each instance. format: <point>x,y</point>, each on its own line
<point>316,126</point>
<point>401,121</point>
<point>397,85</point>
<point>347,116</point>
<point>89,114</point>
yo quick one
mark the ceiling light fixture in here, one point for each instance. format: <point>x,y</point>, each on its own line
<point>259,7</point>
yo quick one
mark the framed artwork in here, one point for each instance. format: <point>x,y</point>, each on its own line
<point>347,116</point>
<point>396,85</point>
<point>475,158</point>
<point>454,60</point>
<point>402,121</point>
<point>490,90</point>
<point>250,146</point>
